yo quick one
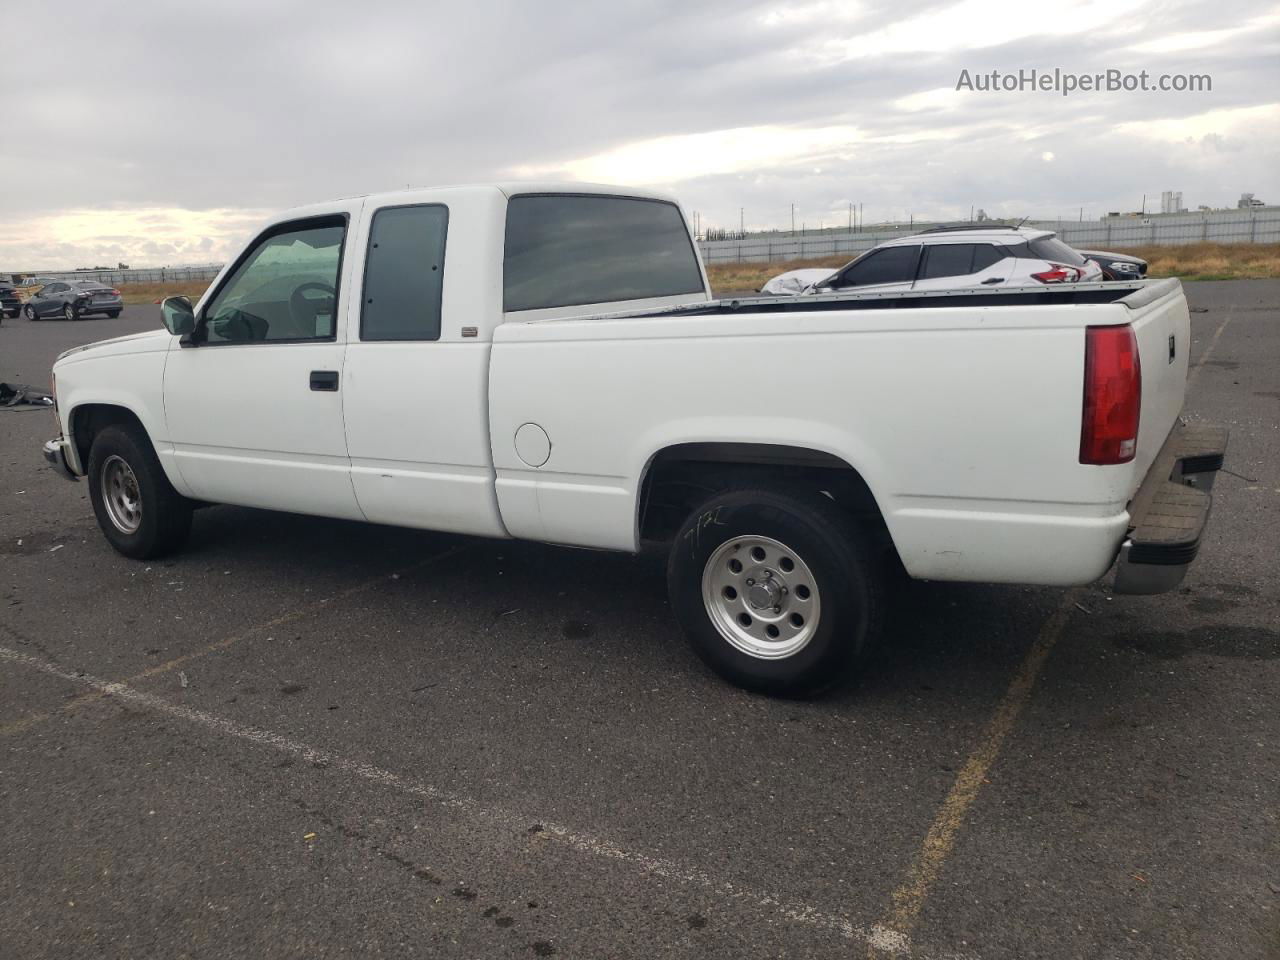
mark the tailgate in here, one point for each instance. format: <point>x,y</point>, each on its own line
<point>1162,324</point>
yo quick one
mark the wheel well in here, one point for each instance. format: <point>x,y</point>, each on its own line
<point>682,476</point>
<point>89,418</point>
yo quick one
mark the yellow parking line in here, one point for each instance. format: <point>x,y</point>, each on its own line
<point>894,930</point>
<point>18,726</point>
<point>892,935</point>
<point>1208,351</point>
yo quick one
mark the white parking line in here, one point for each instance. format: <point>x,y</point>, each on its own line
<point>506,819</point>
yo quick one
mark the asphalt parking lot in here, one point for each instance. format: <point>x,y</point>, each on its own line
<point>311,738</point>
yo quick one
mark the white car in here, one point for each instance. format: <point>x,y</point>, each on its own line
<point>946,258</point>
<point>545,362</point>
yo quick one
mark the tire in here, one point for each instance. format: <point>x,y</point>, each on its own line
<point>30,312</point>
<point>802,554</point>
<point>69,312</point>
<point>124,471</point>
<point>112,314</point>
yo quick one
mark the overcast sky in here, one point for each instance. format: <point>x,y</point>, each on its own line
<point>157,133</point>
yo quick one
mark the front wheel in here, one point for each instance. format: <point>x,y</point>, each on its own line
<point>69,312</point>
<point>777,592</point>
<point>112,314</point>
<point>140,513</point>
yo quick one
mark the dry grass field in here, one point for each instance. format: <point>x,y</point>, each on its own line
<point>153,292</point>
<point>1201,261</point>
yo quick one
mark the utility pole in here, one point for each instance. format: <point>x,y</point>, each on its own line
<point>742,219</point>
<point>793,219</point>
<point>1144,204</point>
<point>862,220</point>
<point>1082,214</point>
<point>851,218</point>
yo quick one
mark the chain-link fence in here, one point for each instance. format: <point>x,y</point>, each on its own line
<point>1221,226</point>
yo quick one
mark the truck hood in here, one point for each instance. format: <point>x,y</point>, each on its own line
<point>148,341</point>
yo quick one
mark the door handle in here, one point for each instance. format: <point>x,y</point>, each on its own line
<point>324,380</point>
<point>991,280</point>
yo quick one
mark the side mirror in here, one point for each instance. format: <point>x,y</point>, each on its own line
<point>179,316</point>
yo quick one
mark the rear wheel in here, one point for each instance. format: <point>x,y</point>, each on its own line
<point>113,314</point>
<point>30,312</point>
<point>777,591</point>
<point>140,513</point>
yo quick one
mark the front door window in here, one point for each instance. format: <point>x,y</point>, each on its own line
<point>286,289</point>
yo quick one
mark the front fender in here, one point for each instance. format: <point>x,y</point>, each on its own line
<point>131,383</point>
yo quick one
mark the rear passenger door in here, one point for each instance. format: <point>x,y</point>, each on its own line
<point>416,380</point>
<point>47,302</point>
<point>948,265</point>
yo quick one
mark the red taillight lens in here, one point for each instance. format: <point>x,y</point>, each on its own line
<point>1112,395</point>
<point>1059,274</point>
<point>115,291</point>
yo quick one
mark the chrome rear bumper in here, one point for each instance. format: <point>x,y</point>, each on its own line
<point>1169,514</point>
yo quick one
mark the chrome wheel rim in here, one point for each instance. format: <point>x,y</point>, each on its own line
<point>121,496</point>
<point>68,312</point>
<point>761,596</point>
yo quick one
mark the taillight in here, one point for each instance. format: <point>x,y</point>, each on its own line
<point>115,291</point>
<point>1112,395</point>
<point>1059,274</point>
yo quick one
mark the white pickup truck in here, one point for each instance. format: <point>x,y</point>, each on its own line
<point>545,361</point>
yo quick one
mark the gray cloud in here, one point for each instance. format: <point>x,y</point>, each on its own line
<point>152,108</point>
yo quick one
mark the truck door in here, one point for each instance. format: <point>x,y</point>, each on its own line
<point>254,408</point>
<point>416,373</point>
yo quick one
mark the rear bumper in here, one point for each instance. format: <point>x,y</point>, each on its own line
<point>1170,512</point>
<point>55,451</point>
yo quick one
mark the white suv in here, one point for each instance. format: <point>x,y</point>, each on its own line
<point>947,257</point>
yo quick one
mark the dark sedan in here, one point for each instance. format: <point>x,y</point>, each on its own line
<point>1117,266</point>
<point>10,302</point>
<point>72,300</point>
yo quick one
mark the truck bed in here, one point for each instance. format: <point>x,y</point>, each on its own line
<point>1133,294</point>
<point>959,409</point>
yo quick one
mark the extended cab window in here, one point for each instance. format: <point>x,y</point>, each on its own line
<point>404,274</point>
<point>285,289</point>
<point>889,265</point>
<point>563,251</point>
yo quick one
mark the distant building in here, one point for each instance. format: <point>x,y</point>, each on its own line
<point>1247,201</point>
<point>1171,202</point>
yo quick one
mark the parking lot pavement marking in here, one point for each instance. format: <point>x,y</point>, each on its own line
<point>18,726</point>
<point>893,934</point>
<point>1194,373</point>
<point>518,824</point>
